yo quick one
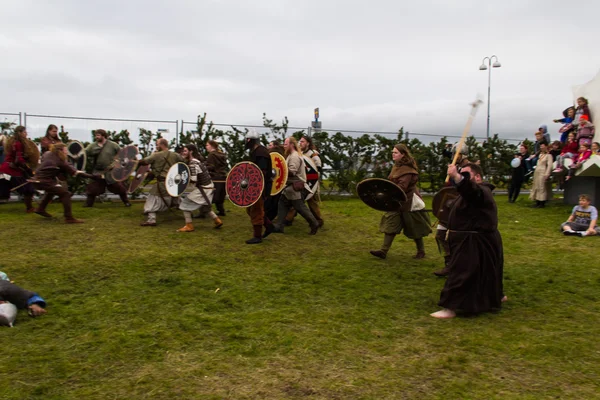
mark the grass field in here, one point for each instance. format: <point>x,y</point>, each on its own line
<point>149,313</point>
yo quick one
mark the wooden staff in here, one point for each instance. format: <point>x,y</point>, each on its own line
<point>23,184</point>
<point>474,106</point>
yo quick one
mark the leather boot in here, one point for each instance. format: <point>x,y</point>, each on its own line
<point>186,228</point>
<point>71,220</point>
<point>28,200</point>
<point>218,223</point>
<point>379,254</point>
<point>257,235</point>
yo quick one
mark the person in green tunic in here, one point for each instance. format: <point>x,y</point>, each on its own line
<point>102,153</point>
<point>159,199</point>
<point>414,224</point>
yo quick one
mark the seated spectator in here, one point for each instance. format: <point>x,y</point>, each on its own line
<point>596,148</point>
<point>583,219</point>
<point>531,161</point>
<point>21,298</point>
<point>545,134</point>
<point>585,131</point>
<point>555,149</point>
<point>567,121</point>
<point>569,150</point>
<point>584,154</point>
<point>582,109</point>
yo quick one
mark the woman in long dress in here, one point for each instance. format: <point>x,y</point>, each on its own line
<point>541,191</point>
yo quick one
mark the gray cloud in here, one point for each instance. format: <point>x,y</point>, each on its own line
<point>372,66</point>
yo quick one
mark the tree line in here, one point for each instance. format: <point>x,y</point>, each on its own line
<point>347,159</point>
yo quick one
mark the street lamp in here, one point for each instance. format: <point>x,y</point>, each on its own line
<point>489,67</point>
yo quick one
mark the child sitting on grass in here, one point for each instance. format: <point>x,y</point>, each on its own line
<point>583,219</point>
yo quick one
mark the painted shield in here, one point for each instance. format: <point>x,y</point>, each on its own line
<point>139,177</point>
<point>381,194</point>
<point>280,173</point>
<point>178,179</point>
<point>443,202</point>
<point>245,183</point>
<point>76,155</point>
<point>312,176</point>
<point>125,163</point>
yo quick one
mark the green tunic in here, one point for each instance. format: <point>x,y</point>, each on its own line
<point>102,157</point>
<point>160,162</point>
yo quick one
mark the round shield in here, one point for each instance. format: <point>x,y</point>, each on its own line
<point>443,202</point>
<point>312,176</point>
<point>515,163</point>
<point>178,179</point>
<point>381,194</point>
<point>125,163</point>
<point>139,177</point>
<point>32,154</point>
<point>79,162</point>
<point>75,148</point>
<point>280,173</point>
<point>245,183</point>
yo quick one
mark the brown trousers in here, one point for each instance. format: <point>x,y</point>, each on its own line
<point>257,212</point>
<point>52,189</point>
<point>96,188</point>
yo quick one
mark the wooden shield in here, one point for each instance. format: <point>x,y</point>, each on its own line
<point>280,173</point>
<point>178,179</point>
<point>381,194</point>
<point>312,176</point>
<point>32,154</point>
<point>75,148</point>
<point>245,183</point>
<point>124,163</point>
<point>76,155</point>
<point>139,177</point>
<point>443,202</point>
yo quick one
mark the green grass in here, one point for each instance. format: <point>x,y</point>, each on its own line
<point>151,313</point>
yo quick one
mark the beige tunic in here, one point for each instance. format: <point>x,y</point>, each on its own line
<point>542,189</point>
<point>297,172</point>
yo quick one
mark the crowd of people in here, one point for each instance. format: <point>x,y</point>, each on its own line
<point>468,239</point>
<point>555,161</point>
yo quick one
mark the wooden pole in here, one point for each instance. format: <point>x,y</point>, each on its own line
<point>474,106</point>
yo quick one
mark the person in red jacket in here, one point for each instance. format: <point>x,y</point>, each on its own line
<point>569,150</point>
<point>14,171</point>
<point>584,154</point>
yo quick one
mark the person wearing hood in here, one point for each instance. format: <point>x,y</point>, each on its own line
<point>545,134</point>
<point>216,162</point>
<point>475,281</point>
<point>567,121</point>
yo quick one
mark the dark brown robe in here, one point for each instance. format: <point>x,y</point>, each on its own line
<point>476,255</point>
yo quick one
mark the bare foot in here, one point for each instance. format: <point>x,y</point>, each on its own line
<point>444,314</point>
<point>36,311</point>
<point>504,299</point>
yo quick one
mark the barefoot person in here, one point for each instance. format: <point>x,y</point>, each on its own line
<point>202,194</point>
<point>474,283</point>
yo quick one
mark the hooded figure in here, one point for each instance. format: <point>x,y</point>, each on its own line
<point>544,130</point>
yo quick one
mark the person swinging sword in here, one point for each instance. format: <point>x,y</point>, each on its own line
<point>160,161</point>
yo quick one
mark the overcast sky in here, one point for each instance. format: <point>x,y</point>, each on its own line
<point>369,65</point>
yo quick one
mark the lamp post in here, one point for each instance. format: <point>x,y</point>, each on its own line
<point>489,67</point>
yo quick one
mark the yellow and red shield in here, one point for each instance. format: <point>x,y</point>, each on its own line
<point>280,173</point>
